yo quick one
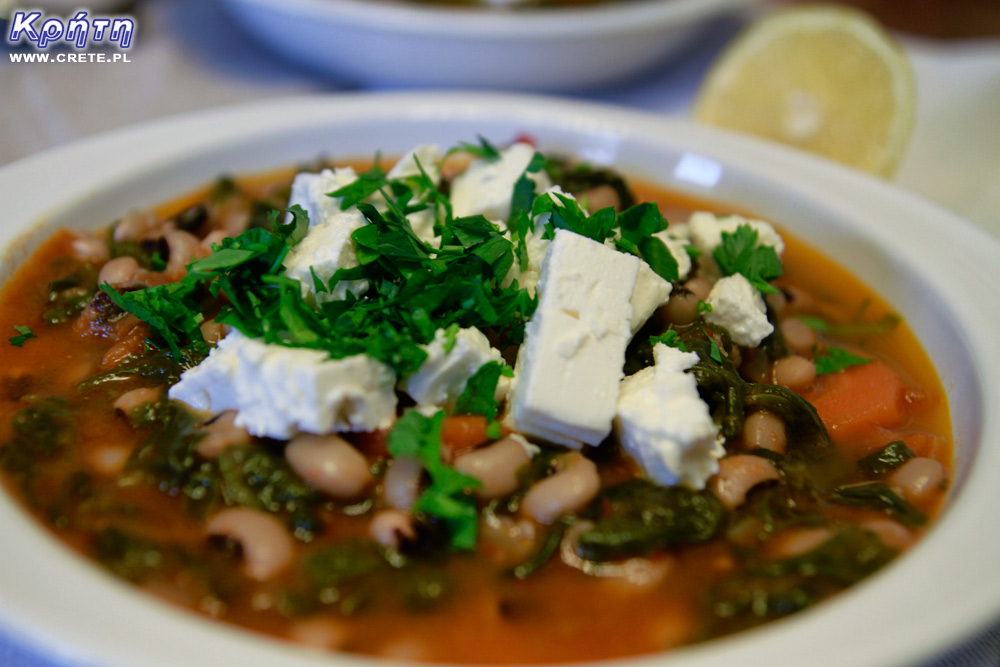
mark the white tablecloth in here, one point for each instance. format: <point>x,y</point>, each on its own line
<point>189,55</point>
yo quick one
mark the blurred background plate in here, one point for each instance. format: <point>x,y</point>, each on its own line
<point>400,43</point>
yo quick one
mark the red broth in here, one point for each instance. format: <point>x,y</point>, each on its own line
<point>71,458</point>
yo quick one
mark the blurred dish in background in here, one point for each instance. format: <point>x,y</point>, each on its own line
<point>416,44</point>
<point>947,19</point>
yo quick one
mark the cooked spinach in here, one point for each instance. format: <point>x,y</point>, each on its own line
<point>169,460</point>
<point>638,518</point>
<point>893,455</point>
<point>548,548</point>
<point>69,295</point>
<point>151,254</point>
<point>155,367</point>
<point>878,496</point>
<point>41,432</point>
<point>131,557</point>
<point>769,590</point>
<point>255,476</point>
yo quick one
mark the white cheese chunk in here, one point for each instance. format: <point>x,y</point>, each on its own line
<point>651,292</point>
<point>326,248</point>
<point>570,363</point>
<point>486,186</point>
<point>738,307</point>
<point>279,391</point>
<point>442,377</point>
<point>311,192</point>
<point>208,387</point>
<point>429,157</point>
<point>664,424</point>
<point>706,235</point>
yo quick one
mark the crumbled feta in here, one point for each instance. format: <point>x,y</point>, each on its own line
<point>570,363</point>
<point>706,235</point>
<point>279,391</point>
<point>441,379</point>
<point>651,292</point>
<point>326,248</point>
<point>429,156</point>
<point>311,192</point>
<point>738,307</point>
<point>486,186</point>
<point>208,387</point>
<point>664,424</point>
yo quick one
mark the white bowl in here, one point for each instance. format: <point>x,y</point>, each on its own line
<point>939,272</point>
<point>398,43</point>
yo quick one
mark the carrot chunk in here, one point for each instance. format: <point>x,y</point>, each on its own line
<point>460,432</point>
<point>857,402</point>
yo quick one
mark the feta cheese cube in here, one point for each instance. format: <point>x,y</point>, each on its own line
<point>280,391</point>
<point>311,192</point>
<point>738,307</point>
<point>706,235</point>
<point>208,387</point>
<point>442,377</point>
<point>651,292</point>
<point>570,363</point>
<point>664,424</point>
<point>326,248</point>
<point>486,186</point>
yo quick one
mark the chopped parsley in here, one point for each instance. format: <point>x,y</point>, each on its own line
<point>479,395</point>
<point>24,333</point>
<point>670,338</point>
<point>834,359</point>
<point>446,497</point>
<point>879,327</point>
<point>739,252</point>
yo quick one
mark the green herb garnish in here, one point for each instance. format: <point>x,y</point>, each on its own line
<point>740,253</point>
<point>834,359</point>
<point>670,338</point>
<point>24,333</point>
<point>447,496</point>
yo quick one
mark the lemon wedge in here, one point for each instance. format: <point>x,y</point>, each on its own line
<point>827,79</point>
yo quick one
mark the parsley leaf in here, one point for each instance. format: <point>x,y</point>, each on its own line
<point>24,333</point>
<point>834,359</point>
<point>638,224</point>
<point>670,338</point>
<point>484,149</point>
<point>883,325</point>
<point>739,253</point>
<point>446,497</point>
<point>478,397</point>
<point>367,184</point>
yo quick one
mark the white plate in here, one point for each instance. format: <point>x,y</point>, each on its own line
<point>399,43</point>
<point>938,271</point>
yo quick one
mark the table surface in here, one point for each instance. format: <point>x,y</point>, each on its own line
<point>190,55</point>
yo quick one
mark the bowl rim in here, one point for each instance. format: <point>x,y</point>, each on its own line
<point>553,23</point>
<point>27,186</point>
